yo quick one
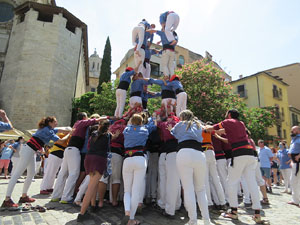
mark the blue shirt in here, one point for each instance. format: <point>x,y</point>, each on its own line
<point>147,36</point>
<point>163,17</point>
<point>163,37</point>
<point>161,84</point>
<point>135,136</point>
<point>264,156</point>
<point>150,125</point>
<point>175,84</point>
<point>149,52</point>
<point>295,145</point>
<point>46,134</point>
<point>126,76</point>
<point>138,85</point>
<point>181,134</point>
<point>86,141</point>
<point>6,152</point>
<point>283,157</point>
<point>146,95</point>
<point>4,126</point>
<point>147,25</point>
<point>16,145</point>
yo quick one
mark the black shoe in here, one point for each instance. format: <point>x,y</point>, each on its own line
<point>94,208</point>
<point>84,217</point>
<point>168,215</point>
<point>270,190</point>
<point>223,207</point>
<point>125,219</point>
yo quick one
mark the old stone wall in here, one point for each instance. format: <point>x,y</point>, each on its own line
<point>40,71</point>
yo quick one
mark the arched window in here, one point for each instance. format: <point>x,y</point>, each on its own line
<point>181,60</point>
<point>6,12</point>
<point>93,67</point>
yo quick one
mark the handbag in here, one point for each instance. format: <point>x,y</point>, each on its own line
<point>108,171</point>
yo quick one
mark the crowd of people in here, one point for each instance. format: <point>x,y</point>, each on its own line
<point>169,159</point>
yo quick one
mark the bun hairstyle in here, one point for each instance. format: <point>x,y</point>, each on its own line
<point>44,122</point>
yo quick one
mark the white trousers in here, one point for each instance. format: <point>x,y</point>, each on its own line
<point>68,175</point>
<point>191,165</point>
<point>243,165</point>
<point>286,174</point>
<point>259,179</point>
<point>27,161</point>
<point>15,161</point>
<point>134,170</point>
<point>295,184</point>
<point>145,71</point>
<point>173,188</point>
<point>82,188</point>
<point>165,101</point>
<point>133,100</point>
<point>181,102</point>
<point>246,193</point>
<point>138,32</point>
<point>37,166</point>
<point>168,62</point>
<point>152,173</point>
<point>51,170</point>
<point>171,25</point>
<point>139,58</point>
<point>212,173</point>
<point>162,177</point>
<point>116,165</point>
<point>222,169</point>
<point>121,99</point>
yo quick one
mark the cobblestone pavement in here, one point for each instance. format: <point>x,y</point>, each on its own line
<point>278,213</point>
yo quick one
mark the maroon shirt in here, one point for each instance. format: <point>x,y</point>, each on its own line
<point>80,127</point>
<point>217,143</point>
<point>165,133</point>
<point>235,130</point>
<point>225,146</point>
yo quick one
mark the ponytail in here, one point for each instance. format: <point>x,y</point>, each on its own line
<point>44,122</point>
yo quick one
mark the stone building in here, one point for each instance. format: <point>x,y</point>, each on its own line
<point>94,72</point>
<point>43,61</point>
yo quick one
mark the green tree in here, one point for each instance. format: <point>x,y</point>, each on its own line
<point>82,104</point>
<point>105,72</point>
<point>210,96</point>
<point>105,103</point>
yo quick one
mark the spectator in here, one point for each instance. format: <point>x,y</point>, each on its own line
<point>5,124</point>
<point>285,166</point>
<point>265,156</point>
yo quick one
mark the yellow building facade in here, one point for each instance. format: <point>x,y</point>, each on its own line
<point>291,74</point>
<point>264,90</point>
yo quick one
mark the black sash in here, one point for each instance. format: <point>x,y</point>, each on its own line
<point>124,85</point>
<point>136,93</point>
<point>169,47</point>
<point>190,144</point>
<point>293,156</point>
<point>179,90</point>
<point>167,94</point>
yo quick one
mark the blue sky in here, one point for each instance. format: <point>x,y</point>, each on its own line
<point>243,36</point>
